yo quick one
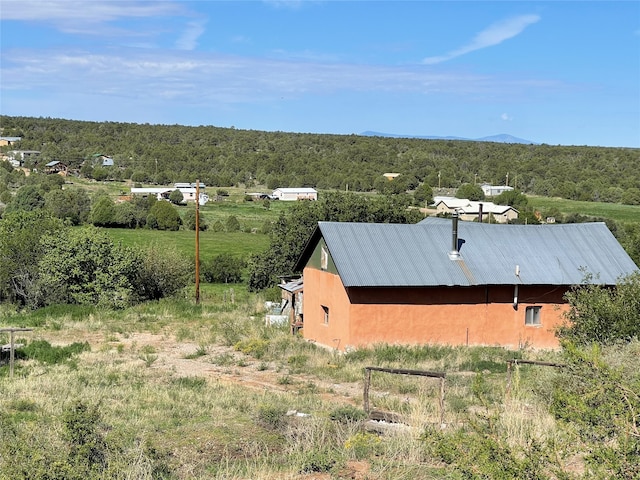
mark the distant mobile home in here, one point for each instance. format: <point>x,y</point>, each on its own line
<point>292,194</point>
<point>495,190</point>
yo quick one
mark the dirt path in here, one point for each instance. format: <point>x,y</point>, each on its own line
<point>224,364</point>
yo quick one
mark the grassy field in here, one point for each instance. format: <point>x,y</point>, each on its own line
<point>179,391</point>
<point>613,211</point>
<point>211,243</point>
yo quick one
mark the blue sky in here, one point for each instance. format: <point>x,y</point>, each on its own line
<point>561,73</point>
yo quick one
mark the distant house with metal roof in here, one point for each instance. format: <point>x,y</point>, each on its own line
<point>57,167</point>
<point>4,141</point>
<point>447,282</point>
<point>470,210</point>
<point>292,194</point>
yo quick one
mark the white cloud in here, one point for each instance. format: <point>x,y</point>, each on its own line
<point>195,77</point>
<point>189,39</point>
<point>94,11</point>
<point>506,117</point>
<point>493,35</point>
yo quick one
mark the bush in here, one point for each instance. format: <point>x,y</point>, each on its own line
<point>347,414</point>
<point>164,216</point>
<point>271,416</point>
<point>103,212</point>
<point>160,273</point>
<point>224,268</point>
<point>232,224</point>
<point>603,315</point>
<point>176,197</point>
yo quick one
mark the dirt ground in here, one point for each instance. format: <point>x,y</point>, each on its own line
<point>255,374</point>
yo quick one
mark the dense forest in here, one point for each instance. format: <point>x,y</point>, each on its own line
<point>226,156</point>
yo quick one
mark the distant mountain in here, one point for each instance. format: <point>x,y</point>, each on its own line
<point>502,138</point>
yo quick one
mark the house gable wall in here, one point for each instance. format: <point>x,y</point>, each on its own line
<point>327,291</point>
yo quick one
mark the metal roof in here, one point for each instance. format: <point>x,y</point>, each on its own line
<point>400,255</point>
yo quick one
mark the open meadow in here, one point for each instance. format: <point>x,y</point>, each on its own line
<point>176,390</point>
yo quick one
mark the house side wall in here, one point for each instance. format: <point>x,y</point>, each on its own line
<point>327,292</point>
<point>435,315</point>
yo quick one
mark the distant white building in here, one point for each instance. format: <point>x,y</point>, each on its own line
<point>292,194</point>
<point>495,190</point>
<point>163,193</point>
<point>469,210</point>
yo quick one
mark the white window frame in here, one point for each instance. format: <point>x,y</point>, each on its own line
<point>324,258</point>
<point>325,319</point>
<point>533,316</point>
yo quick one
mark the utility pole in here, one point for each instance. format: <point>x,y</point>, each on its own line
<point>197,242</point>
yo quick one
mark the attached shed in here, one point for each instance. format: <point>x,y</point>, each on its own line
<point>292,194</point>
<point>450,283</point>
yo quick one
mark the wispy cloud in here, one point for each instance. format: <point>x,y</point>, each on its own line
<point>95,11</point>
<point>493,35</point>
<point>197,77</point>
<point>189,39</point>
<point>506,117</point>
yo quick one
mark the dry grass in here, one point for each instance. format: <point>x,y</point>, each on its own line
<point>177,395</point>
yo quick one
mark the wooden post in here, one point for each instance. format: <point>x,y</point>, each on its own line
<point>12,346</point>
<point>441,401</point>
<point>197,242</point>
<point>367,382</point>
<point>11,354</point>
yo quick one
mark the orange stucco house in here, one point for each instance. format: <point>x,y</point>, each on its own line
<point>442,281</point>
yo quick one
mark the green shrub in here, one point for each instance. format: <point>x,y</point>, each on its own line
<point>318,461</point>
<point>271,416</point>
<point>255,347</point>
<point>42,351</point>
<point>347,414</point>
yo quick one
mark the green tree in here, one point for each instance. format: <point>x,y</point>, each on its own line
<point>290,233</point>
<point>20,251</point>
<point>601,314</point>
<point>160,273</point>
<point>103,211</point>
<point>513,198</point>
<point>232,224</point>
<point>224,268</point>
<point>84,266</point>
<point>72,205</point>
<point>164,216</point>
<point>470,192</point>
<point>189,220</point>
<point>125,215</point>
<point>27,199</point>
<point>176,197</point>
<point>423,195</point>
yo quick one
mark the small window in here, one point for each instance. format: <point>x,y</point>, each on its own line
<point>532,316</point>
<point>324,258</point>
<point>326,314</point>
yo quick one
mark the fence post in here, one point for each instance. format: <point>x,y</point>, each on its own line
<point>441,402</point>
<point>367,381</point>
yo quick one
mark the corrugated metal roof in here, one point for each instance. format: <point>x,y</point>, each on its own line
<point>375,255</point>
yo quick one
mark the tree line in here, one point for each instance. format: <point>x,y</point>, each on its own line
<point>226,156</point>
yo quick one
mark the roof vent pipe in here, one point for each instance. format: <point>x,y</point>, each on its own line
<point>454,237</point>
